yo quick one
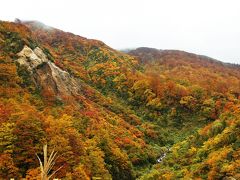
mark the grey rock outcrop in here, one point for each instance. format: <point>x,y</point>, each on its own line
<point>31,58</point>
<point>46,75</point>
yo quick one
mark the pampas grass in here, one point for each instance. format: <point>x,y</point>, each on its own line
<point>47,164</point>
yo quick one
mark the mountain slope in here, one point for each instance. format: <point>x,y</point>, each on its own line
<point>211,152</point>
<point>207,72</point>
<point>107,113</point>
<point>71,115</point>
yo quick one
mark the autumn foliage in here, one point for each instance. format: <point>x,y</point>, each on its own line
<point>129,109</point>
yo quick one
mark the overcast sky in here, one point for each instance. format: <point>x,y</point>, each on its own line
<point>207,27</point>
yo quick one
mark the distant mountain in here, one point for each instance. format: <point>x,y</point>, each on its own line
<point>150,54</point>
<point>112,114</point>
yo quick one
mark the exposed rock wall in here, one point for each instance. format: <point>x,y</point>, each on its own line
<point>46,75</point>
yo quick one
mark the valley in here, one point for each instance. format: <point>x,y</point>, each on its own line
<point>112,114</point>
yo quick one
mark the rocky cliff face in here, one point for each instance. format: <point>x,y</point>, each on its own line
<point>46,75</point>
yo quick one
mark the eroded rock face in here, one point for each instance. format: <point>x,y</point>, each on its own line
<point>46,75</point>
<point>30,58</point>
